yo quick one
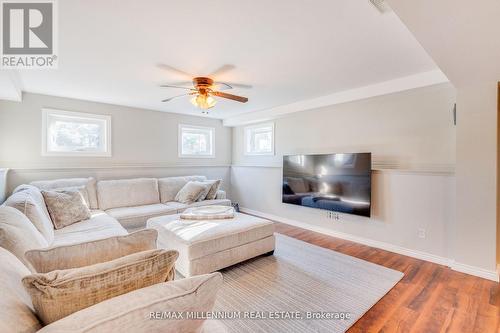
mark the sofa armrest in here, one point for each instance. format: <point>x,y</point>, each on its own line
<point>146,309</point>
<point>220,194</point>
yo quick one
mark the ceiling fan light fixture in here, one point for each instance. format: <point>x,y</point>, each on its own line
<point>203,101</point>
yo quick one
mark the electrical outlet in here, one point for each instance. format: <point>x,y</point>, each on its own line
<point>421,233</point>
<point>333,215</point>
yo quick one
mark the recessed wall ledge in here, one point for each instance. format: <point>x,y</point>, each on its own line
<point>414,81</point>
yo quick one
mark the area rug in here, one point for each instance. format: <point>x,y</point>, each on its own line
<point>284,292</point>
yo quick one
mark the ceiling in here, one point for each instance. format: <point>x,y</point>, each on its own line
<point>288,50</point>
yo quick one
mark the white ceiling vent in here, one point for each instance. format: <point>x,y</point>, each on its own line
<point>381,5</point>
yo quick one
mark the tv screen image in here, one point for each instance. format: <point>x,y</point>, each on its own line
<point>337,182</point>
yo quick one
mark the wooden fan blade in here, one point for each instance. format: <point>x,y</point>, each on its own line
<point>178,87</point>
<point>222,69</point>
<point>174,70</point>
<point>173,97</point>
<point>230,96</point>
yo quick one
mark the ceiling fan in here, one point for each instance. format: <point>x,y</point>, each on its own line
<point>204,88</point>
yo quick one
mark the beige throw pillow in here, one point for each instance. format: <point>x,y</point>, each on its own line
<point>66,207</point>
<point>191,192</point>
<point>211,190</point>
<point>81,189</point>
<point>212,194</point>
<point>208,187</point>
<point>90,253</point>
<point>18,234</point>
<point>60,293</point>
<point>196,294</point>
<point>89,184</point>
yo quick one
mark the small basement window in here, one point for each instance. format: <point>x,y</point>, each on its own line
<point>259,139</point>
<point>196,141</point>
<point>66,133</point>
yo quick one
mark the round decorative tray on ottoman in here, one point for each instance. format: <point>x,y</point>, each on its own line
<point>213,212</point>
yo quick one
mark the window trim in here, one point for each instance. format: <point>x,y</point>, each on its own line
<point>246,132</point>
<point>179,141</point>
<point>46,113</point>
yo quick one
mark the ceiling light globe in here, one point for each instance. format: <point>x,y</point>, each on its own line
<point>203,101</point>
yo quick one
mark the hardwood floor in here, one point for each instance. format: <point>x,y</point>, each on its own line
<point>430,298</point>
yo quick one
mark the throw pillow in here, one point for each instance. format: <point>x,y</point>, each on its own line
<point>204,194</point>
<point>58,294</point>
<point>81,189</point>
<point>90,185</point>
<point>66,207</point>
<point>212,194</point>
<point>196,295</point>
<point>90,253</point>
<point>191,192</point>
<point>18,234</point>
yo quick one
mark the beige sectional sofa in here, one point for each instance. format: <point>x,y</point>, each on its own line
<point>117,206</point>
<point>131,202</point>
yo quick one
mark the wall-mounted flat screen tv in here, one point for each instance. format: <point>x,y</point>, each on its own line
<point>335,182</point>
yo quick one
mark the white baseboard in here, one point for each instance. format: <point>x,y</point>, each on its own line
<point>471,270</point>
<point>476,271</point>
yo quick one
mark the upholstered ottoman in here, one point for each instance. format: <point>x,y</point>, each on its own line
<point>206,246</point>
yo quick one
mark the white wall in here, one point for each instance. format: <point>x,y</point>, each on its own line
<point>412,138</point>
<point>411,130</point>
<point>462,38</point>
<point>144,143</point>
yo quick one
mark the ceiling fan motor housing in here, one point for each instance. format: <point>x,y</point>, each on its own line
<point>202,82</point>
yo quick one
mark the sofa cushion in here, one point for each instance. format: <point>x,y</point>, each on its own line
<point>17,314</point>
<point>18,234</point>
<point>66,207</point>
<point>60,293</point>
<point>195,295</point>
<point>99,226</point>
<point>92,252</point>
<point>136,217</point>
<point>192,191</point>
<point>221,194</point>
<point>170,186</point>
<point>29,201</point>
<point>88,183</point>
<point>127,192</point>
<point>223,202</point>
